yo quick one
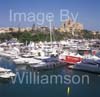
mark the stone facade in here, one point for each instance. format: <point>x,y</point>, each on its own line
<point>69,25</point>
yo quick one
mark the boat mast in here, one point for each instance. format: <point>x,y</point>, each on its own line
<point>50,27</point>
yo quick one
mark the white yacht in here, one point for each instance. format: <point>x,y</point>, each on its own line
<point>22,61</point>
<point>6,73</point>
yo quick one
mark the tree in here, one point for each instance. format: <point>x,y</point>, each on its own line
<point>5,36</point>
<point>25,36</point>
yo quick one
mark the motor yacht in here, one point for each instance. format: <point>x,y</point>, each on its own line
<point>6,74</point>
<point>48,63</point>
<point>87,65</point>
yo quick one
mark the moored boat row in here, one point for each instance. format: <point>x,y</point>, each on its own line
<point>47,56</point>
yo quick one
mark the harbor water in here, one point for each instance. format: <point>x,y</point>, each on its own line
<point>29,89</point>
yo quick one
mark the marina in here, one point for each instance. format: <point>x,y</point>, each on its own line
<point>49,48</point>
<point>68,63</point>
<point>58,64</point>
<point>44,55</point>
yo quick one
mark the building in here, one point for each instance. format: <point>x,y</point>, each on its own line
<point>69,25</point>
<point>23,29</point>
<point>14,29</point>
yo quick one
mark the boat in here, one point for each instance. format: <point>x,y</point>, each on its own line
<point>71,58</point>
<point>80,54</point>
<point>25,61</point>
<point>87,65</point>
<point>49,63</point>
<point>6,74</point>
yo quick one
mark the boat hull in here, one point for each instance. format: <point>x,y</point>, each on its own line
<point>47,66</point>
<point>86,67</point>
<point>72,60</point>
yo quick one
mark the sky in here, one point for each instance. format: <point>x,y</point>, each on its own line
<point>88,11</point>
